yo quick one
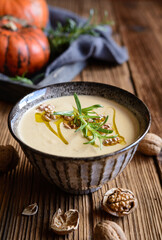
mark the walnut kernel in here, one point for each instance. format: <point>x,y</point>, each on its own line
<point>119,202</point>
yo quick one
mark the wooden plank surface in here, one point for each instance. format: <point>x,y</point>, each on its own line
<point>143,38</point>
<point>137,25</point>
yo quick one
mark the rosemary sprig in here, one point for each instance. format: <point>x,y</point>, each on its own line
<point>66,113</point>
<point>22,79</point>
<point>89,130</point>
<point>63,35</point>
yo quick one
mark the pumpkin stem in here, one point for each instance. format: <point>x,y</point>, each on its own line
<point>11,22</point>
<point>10,25</point>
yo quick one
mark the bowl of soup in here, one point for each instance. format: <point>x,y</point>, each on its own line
<point>79,135</point>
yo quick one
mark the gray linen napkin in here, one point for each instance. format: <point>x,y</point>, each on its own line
<point>102,47</point>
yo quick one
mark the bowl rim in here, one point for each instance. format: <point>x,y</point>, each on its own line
<point>90,158</point>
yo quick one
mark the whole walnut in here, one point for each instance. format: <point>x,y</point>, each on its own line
<point>150,145</point>
<point>9,158</point>
<point>108,230</point>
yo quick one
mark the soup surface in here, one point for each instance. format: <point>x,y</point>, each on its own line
<point>55,138</point>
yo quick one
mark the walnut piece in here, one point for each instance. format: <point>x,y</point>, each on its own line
<point>30,210</point>
<point>41,107</point>
<point>49,116</point>
<point>108,230</point>
<point>66,125</point>
<point>69,125</point>
<point>64,223</point>
<point>48,111</point>
<point>119,202</point>
<point>107,126</point>
<point>150,145</point>
<point>111,141</point>
<point>68,118</point>
<point>47,108</point>
<point>9,158</point>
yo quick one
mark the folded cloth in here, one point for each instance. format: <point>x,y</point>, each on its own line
<point>102,47</point>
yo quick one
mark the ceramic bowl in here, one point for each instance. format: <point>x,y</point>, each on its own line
<point>80,175</point>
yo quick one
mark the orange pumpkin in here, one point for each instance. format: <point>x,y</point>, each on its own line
<point>34,12</point>
<point>23,48</point>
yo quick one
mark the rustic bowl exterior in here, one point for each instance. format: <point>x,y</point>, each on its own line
<point>80,175</point>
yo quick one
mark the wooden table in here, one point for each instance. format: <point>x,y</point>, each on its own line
<point>138,26</point>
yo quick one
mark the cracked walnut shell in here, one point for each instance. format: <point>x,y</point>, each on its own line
<point>108,230</point>
<point>9,158</point>
<point>119,202</point>
<point>64,223</point>
<point>30,210</point>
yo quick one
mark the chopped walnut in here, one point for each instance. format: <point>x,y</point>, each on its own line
<point>69,124</point>
<point>68,118</point>
<point>73,126</point>
<point>100,117</point>
<point>41,107</point>
<point>90,120</point>
<point>47,108</point>
<point>48,111</point>
<point>49,116</point>
<point>66,125</point>
<point>111,141</point>
<point>107,126</point>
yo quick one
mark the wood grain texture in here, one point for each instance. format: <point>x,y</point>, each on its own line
<point>137,25</point>
<point>140,26</point>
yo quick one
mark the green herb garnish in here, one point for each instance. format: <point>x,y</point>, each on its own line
<point>63,35</point>
<point>90,129</point>
<point>22,79</point>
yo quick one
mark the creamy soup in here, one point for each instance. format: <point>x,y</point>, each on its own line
<point>54,136</point>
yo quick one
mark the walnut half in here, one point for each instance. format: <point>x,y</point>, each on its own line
<point>64,223</point>
<point>119,202</point>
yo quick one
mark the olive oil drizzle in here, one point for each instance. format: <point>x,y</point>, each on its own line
<point>122,139</point>
<point>39,118</point>
<point>57,123</point>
